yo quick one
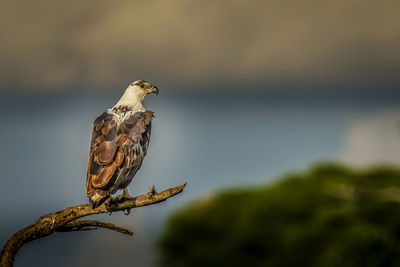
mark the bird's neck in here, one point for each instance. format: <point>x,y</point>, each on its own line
<point>130,101</point>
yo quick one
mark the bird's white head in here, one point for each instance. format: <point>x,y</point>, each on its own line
<point>135,94</point>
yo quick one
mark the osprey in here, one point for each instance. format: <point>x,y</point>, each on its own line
<point>119,143</point>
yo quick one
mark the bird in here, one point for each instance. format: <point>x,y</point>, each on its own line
<point>120,139</point>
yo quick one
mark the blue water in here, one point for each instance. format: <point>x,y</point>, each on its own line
<point>209,140</point>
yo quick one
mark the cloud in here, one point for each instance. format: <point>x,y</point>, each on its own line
<point>374,139</point>
<point>101,43</point>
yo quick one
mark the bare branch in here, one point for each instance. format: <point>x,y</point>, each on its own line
<point>86,225</point>
<point>49,223</point>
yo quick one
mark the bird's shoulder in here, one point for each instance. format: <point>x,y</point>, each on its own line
<point>113,123</point>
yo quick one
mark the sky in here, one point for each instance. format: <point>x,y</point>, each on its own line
<point>190,44</point>
<point>249,91</point>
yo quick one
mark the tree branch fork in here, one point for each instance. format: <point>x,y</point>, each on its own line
<point>66,220</point>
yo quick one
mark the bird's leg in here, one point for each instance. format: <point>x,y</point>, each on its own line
<point>108,202</point>
<point>125,195</point>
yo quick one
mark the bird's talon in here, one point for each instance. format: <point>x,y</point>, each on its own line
<point>125,196</point>
<point>121,198</point>
<point>127,211</point>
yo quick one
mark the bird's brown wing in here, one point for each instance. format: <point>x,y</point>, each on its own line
<point>103,147</point>
<point>134,139</point>
<point>111,152</point>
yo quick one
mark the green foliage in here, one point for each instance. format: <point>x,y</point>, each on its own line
<point>328,216</point>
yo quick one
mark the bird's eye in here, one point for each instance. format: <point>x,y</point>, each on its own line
<point>141,85</point>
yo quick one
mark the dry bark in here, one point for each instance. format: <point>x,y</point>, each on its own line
<point>65,220</point>
<point>87,225</point>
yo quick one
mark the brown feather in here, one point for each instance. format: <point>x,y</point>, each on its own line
<point>115,155</point>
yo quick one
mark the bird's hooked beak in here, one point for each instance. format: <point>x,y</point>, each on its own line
<point>152,89</point>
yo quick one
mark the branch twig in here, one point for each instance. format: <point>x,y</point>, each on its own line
<point>52,222</point>
<point>86,225</point>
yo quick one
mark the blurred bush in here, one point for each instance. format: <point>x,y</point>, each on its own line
<point>328,216</point>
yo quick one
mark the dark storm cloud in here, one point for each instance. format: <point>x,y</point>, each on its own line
<point>57,44</point>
